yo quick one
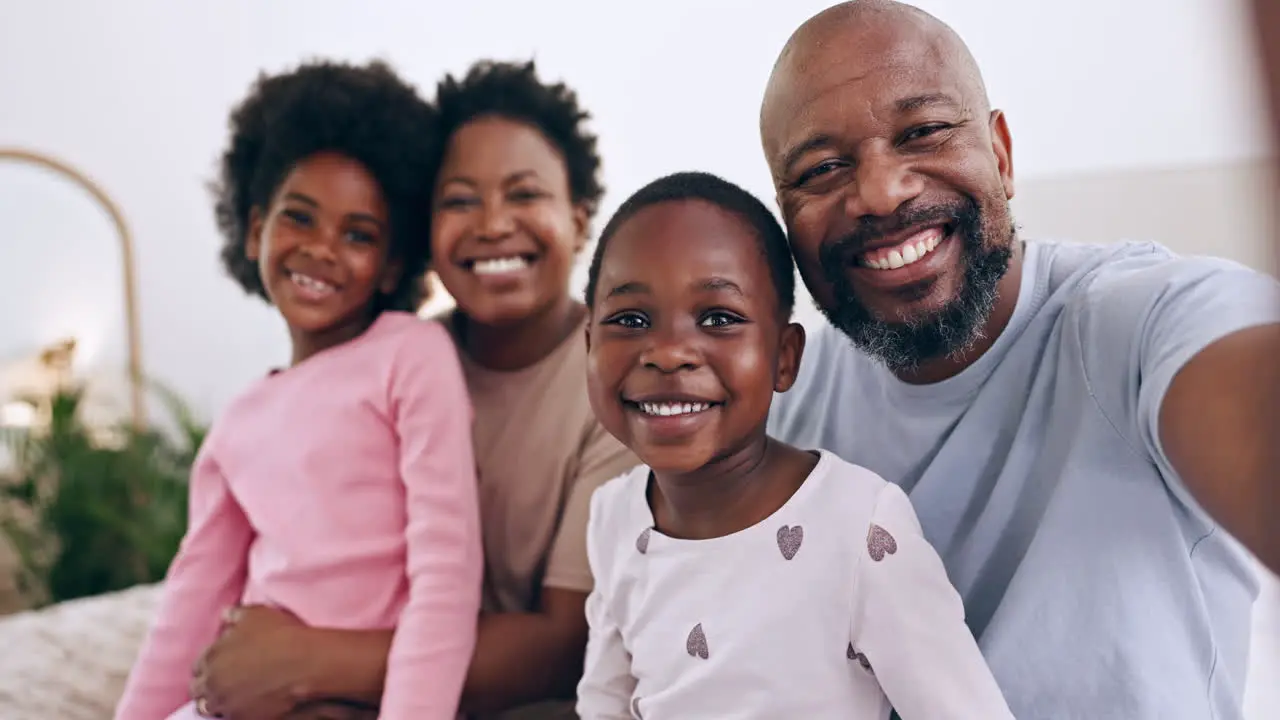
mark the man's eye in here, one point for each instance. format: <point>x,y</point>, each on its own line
<point>924,131</point>
<point>818,171</point>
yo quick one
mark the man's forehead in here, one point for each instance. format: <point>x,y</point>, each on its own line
<point>869,65</point>
<point>853,86</point>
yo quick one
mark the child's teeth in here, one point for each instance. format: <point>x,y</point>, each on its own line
<point>667,409</point>
<point>500,265</point>
<point>311,283</point>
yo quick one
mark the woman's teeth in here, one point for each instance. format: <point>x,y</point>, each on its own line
<point>496,266</point>
<point>913,249</point>
<point>311,284</point>
<point>667,409</point>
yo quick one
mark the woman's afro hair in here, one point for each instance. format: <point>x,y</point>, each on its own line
<point>513,91</point>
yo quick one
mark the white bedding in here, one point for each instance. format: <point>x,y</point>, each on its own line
<point>69,661</point>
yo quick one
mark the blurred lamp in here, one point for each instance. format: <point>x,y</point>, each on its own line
<point>17,414</point>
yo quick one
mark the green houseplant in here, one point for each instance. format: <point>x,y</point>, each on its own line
<point>89,511</point>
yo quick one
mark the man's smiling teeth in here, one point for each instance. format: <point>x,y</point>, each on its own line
<point>312,284</point>
<point>668,409</point>
<point>908,251</point>
<point>496,266</point>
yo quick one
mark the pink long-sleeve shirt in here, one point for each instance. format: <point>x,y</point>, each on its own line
<point>343,490</point>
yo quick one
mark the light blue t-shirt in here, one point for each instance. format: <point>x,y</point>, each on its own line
<point>1096,586</point>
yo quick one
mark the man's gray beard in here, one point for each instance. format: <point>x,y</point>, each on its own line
<point>902,346</point>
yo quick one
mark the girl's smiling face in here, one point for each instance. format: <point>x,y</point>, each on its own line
<point>323,248</point>
<point>686,342</point>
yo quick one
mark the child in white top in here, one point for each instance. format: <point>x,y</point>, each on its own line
<point>737,577</point>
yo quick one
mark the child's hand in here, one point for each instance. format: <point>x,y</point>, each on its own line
<point>254,669</point>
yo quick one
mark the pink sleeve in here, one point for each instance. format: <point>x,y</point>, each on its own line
<point>206,576</point>
<point>436,635</point>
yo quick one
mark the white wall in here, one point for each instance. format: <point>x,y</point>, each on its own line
<point>1223,209</point>
<point>136,94</point>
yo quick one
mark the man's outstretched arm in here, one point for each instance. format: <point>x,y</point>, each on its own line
<point>1220,427</point>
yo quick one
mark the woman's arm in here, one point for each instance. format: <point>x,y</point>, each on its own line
<point>528,657</point>
<point>908,624</point>
<point>206,577</point>
<point>518,657</point>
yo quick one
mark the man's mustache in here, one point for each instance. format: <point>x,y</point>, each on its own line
<point>839,253</point>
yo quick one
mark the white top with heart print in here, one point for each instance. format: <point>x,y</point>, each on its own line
<point>833,607</point>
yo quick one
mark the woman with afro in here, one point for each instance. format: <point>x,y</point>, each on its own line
<point>513,199</point>
<point>340,489</point>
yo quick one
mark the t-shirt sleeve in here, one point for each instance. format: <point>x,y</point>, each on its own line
<point>436,634</point>
<point>603,458</point>
<point>908,626</point>
<point>607,685</point>
<point>1146,317</point>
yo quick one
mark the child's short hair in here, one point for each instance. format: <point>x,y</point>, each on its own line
<point>514,92</point>
<point>364,112</point>
<point>725,195</point>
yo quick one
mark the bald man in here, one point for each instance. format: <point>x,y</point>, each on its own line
<point>1078,427</point>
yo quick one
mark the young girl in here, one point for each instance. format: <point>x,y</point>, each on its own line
<point>341,489</point>
<point>737,576</point>
<point>513,201</point>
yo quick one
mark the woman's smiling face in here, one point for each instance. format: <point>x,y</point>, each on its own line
<point>505,229</point>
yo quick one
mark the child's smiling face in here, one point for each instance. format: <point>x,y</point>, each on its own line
<point>323,246</point>
<point>687,342</point>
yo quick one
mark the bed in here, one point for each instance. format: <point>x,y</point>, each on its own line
<point>69,661</point>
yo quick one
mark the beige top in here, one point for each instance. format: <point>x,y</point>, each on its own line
<point>540,455</point>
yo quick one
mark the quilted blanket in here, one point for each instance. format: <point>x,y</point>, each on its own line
<point>70,661</point>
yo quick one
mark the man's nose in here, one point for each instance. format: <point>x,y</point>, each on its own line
<point>882,184</point>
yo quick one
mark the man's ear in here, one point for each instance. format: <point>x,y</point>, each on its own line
<point>790,351</point>
<point>1002,146</point>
